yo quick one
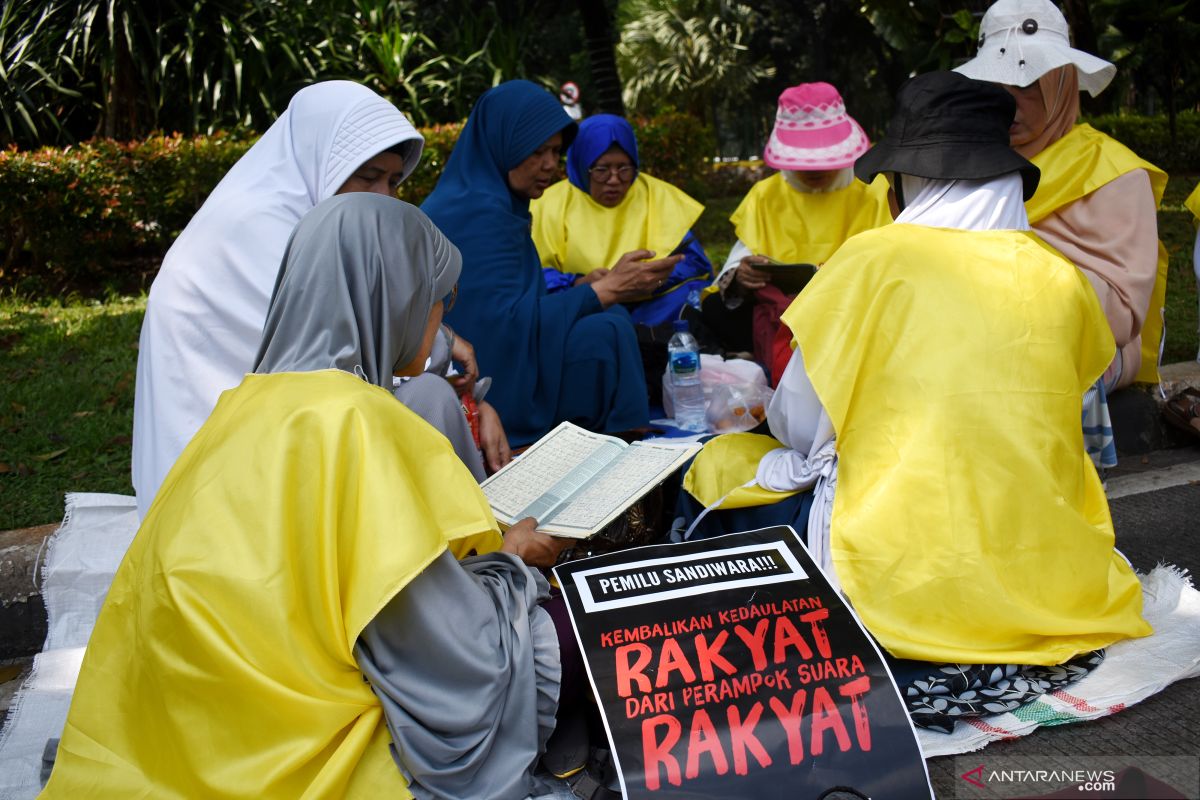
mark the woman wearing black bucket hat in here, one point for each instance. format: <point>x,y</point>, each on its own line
<point>937,377</point>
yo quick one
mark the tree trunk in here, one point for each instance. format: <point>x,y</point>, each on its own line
<point>601,48</point>
<point>120,115</point>
<point>1083,37</point>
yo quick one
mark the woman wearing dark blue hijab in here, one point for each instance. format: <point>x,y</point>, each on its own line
<point>554,357</point>
<point>609,210</point>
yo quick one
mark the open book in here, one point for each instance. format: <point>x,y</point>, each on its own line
<point>574,482</point>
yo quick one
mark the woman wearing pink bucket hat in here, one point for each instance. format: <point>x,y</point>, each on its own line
<point>800,215</point>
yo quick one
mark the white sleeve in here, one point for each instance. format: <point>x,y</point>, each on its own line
<point>736,255</point>
<point>795,414</point>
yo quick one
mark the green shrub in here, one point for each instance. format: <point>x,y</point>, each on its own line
<point>78,217</point>
<point>1150,138</point>
<point>439,141</point>
<point>675,148</point>
<point>72,217</point>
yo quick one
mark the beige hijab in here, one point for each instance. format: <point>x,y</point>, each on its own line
<point>1111,234</point>
<point>1060,95</point>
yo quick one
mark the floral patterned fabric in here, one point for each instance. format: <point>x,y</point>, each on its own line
<point>938,696</point>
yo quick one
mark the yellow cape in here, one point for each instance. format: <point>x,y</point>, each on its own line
<point>221,664</point>
<point>574,233</point>
<point>968,524</point>
<point>1193,202</point>
<point>790,226</point>
<point>724,465</point>
<point>1074,167</point>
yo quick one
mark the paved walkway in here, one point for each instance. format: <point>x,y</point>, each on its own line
<point>1155,502</point>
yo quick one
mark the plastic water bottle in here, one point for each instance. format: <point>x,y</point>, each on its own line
<point>693,298</point>
<point>684,370</point>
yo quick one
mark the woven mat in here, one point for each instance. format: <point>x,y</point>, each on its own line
<point>1132,671</point>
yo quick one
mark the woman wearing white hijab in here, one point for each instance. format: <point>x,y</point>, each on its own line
<point>208,303</point>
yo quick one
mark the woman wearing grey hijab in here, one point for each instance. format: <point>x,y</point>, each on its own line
<point>309,537</point>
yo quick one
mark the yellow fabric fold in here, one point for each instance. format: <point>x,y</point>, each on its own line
<point>968,524</point>
<point>573,233</point>
<point>1193,202</point>
<point>1077,165</point>
<point>790,226</point>
<point>725,464</point>
<point>221,664</point>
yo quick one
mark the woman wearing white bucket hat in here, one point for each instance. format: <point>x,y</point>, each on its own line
<point>1097,199</point>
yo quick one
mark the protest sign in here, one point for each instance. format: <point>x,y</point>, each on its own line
<point>729,668</point>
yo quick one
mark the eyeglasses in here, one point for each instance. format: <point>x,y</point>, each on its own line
<point>449,300</point>
<point>602,173</point>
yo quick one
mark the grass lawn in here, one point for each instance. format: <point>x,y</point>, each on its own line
<point>1177,230</point>
<point>66,400</point>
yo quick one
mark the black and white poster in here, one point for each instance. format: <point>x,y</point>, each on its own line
<point>729,668</point>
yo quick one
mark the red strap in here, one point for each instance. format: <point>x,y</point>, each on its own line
<point>471,410</point>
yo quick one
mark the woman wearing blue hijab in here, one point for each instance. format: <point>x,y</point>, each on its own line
<point>608,211</point>
<point>555,357</point>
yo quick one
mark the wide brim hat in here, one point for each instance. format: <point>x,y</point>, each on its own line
<point>949,127</point>
<point>813,132</point>
<point>1022,40</point>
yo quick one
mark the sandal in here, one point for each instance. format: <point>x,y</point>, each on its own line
<point>599,780</point>
<point>1182,411</point>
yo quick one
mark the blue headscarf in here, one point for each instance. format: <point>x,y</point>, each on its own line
<point>518,330</point>
<point>597,134</point>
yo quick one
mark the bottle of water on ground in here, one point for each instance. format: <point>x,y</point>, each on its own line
<point>684,370</point>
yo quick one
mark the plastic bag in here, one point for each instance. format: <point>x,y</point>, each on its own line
<point>735,407</point>
<point>717,373</point>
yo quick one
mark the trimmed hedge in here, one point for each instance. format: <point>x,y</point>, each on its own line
<point>1150,138</point>
<point>86,216</point>
<point>68,216</point>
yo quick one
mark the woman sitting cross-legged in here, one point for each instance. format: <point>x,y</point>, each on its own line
<point>800,215</point>
<point>292,619</point>
<point>933,400</point>
<point>572,355</point>
<point>609,212</point>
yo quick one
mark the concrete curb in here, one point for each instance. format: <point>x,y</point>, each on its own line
<point>22,612</point>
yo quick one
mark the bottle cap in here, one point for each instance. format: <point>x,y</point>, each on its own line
<point>682,325</point>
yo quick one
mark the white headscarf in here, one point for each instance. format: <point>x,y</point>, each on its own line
<point>845,176</point>
<point>208,303</point>
<point>982,205</point>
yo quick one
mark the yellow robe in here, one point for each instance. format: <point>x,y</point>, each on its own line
<point>807,227</point>
<point>1079,164</point>
<point>573,233</point>
<point>221,664</point>
<point>968,524</point>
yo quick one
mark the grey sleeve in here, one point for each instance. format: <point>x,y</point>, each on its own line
<point>433,399</point>
<point>466,665</point>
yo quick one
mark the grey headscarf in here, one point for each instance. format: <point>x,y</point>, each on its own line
<point>359,277</point>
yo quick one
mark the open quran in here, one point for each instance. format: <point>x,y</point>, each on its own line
<point>574,482</point>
